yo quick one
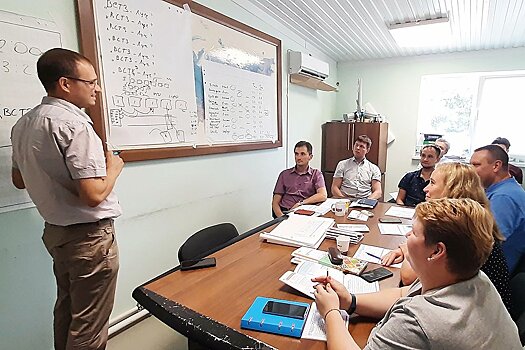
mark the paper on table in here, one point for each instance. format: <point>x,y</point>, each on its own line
<point>357,285</point>
<point>315,328</point>
<point>311,254</point>
<point>354,227</point>
<point>401,212</point>
<point>364,249</point>
<point>301,279</point>
<point>394,229</point>
<point>326,206</point>
<point>357,215</point>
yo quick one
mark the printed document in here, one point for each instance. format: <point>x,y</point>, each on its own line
<point>315,328</point>
<point>301,279</point>
<point>373,254</point>
<point>401,212</point>
<point>394,229</point>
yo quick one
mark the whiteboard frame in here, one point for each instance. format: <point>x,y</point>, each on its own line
<point>86,17</point>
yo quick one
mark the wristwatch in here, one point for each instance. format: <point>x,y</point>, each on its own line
<point>353,305</point>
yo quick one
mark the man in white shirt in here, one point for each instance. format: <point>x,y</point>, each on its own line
<point>59,159</point>
<point>356,177</point>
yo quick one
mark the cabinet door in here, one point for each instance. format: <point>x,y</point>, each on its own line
<point>337,144</point>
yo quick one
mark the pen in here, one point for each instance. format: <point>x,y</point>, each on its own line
<point>374,256</point>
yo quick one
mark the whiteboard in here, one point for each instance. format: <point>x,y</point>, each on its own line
<point>22,40</point>
<point>150,56</point>
<point>147,73</point>
<point>239,104</point>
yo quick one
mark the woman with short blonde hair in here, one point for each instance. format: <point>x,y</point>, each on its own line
<point>457,180</point>
<point>452,305</point>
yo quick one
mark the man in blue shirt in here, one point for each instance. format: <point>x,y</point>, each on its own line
<point>507,199</point>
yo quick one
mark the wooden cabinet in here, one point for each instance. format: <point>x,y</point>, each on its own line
<point>338,139</point>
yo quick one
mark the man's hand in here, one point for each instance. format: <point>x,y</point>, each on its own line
<point>114,164</point>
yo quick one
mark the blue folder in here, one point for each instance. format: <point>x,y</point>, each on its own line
<point>256,320</point>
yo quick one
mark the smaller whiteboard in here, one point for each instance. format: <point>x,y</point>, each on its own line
<point>239,104</point>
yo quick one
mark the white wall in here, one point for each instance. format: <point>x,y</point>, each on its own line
<point>164,201</point>
<point>392,86</point>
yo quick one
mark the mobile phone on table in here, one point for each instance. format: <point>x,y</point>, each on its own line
<point>390,220</point>
<point>376,274</point>
<point>280,308</point>
<point>197,264</point>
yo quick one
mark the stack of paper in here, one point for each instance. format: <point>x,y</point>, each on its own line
<point>309,254</point>
<point>334,232</point>
<point>299,231</point>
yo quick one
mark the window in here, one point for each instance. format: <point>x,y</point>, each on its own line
<point>471,110</point>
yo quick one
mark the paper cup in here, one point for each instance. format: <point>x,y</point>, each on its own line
<point>343,243</point>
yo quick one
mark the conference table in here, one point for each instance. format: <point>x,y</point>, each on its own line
<point>207,305</point>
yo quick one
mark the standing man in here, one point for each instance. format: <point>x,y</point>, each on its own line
<point>412,184</point>
<point>356,177</point>
<point>298,185</point>
<point>507,199</point>
<point>59,159</point>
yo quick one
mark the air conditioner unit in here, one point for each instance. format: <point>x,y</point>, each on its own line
<point>304,64</point>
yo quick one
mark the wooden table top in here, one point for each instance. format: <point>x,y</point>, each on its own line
<point>251,268</point>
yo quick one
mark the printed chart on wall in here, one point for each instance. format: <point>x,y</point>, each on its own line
<point>235,78</point>
<point>22,40</point>
<point>148,80</point>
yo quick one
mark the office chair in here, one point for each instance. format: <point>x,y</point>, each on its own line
<point>517,286</point>
<point>201,242</point>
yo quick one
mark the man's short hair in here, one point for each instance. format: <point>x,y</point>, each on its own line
<point>56,63</point>
<point>434,147</point>
<point>464,226</point>
<point>496,153</point>
<point>364,139</point>
<point>306,144</point>
<point>445,142</point>
<point>501,141</point>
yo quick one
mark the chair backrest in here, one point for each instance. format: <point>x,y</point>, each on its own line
<point>206,239</point>
<point>517,286</point>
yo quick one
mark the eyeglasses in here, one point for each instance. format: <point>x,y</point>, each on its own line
<point>91,83</point>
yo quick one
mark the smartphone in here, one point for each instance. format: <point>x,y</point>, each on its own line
<point>197,264</point>
<point>304,212</point>
<point>285,309</point>
<point>377,274</point>
<point>390,220</point>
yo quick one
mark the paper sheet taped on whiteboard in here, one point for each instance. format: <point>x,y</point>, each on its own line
<point>240,105</point>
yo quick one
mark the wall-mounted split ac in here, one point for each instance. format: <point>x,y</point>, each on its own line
<point>308,71</point>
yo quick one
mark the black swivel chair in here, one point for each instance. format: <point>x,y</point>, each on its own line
<point>203,241</point>
<point>199,244</point>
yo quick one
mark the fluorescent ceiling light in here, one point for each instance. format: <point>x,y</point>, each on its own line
<point>421,34</point>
